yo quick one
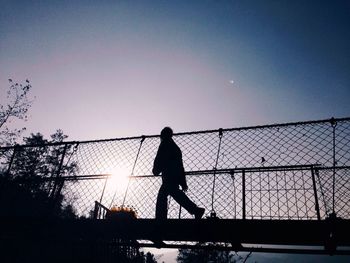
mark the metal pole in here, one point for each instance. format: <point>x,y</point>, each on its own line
<point>96,210</point>
<point>317,207</point>
<point>212,213</point>
<point>53,193</point>
<point>243,194</point>
<point>334,124</point>
<point>133,168</point>
<point>103,190</point>
<point>234,191</point>
<point>11,160</point>
<point>322,193</point>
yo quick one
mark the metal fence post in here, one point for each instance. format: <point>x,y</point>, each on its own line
<point>317,207</point>
<point>212,212</point>
<point>243,194</point>
<point>132,171</point>
<point>58,183</point>
<point>11,160</point>
<point>96,210</point>
<point>334,125</point>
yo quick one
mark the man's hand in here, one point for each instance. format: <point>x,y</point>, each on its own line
<point>155,172</point>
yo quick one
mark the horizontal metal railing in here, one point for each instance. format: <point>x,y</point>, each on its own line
<point>281,171</point>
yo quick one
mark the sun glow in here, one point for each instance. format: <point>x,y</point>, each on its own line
<point>115,186</point>
<point>119,177</point>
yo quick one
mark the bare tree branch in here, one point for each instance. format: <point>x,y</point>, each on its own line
<point>15,107</point>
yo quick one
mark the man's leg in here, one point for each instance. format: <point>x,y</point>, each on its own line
<point>183,200</point>
<point>162,203</point>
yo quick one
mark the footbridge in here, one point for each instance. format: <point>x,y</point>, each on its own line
<point>273,188</point>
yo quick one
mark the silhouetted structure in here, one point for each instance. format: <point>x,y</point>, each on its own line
<point>168,162</point>
<point>281,184</point>
<point>32,196</point>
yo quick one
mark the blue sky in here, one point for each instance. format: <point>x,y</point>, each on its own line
<point>103,69</point>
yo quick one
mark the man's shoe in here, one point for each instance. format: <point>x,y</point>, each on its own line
<point>199,213</point>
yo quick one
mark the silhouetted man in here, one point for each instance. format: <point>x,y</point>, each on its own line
<point>168,162</point>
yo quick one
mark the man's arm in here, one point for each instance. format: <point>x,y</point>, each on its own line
<point>183,182</point>
<point>157,165</point>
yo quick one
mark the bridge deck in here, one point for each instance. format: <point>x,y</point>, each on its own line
<point>260,234</point>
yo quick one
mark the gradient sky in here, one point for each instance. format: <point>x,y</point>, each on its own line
<point>105,69</point>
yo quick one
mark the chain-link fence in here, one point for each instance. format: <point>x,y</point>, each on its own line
<point>282,171</point>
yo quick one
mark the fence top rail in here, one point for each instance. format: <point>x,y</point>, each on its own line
<point>248,170</point>
<point>331,120</point>
<point>232,171</point>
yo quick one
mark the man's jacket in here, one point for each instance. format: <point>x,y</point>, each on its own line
<point>168,162</point>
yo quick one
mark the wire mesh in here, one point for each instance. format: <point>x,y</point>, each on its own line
<point>280,195</point>
<point>99,171</point>
<point>342,193</point>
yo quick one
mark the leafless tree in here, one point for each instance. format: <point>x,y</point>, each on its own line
<point>14,106</point>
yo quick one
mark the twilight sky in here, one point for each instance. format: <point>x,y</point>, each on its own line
<point>105,69</point>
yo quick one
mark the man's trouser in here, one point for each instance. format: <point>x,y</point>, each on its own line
<point>178,195</point>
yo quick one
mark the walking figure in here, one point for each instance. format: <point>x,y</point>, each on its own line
<point>168,163</point>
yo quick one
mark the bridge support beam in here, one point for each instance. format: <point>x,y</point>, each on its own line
<point>289,233</point>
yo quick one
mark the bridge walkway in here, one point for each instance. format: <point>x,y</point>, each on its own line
<point>329,236</point>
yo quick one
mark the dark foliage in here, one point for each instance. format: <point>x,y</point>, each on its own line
<point>31,189</point>
<point>32,186</point>
<point>14,107</point>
